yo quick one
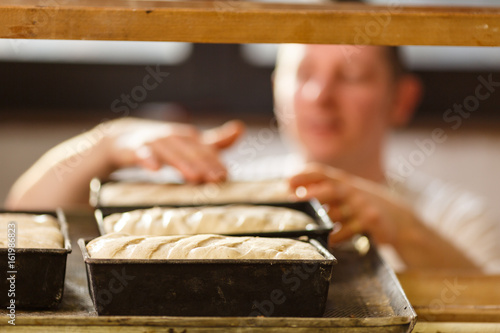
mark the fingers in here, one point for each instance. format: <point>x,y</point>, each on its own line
<point>367,217</point>
<point>342,201</point>
<point>346,231</point>
<point>203,158</point>
<point>196,162</point>
<point>223,136</point>
<point>145,158</point>
<point>346,203</point>
<point>355,204</point>
<point>152,144</point>
<point>181,146</point>
<point>315,173</point>
<point>327,191</point>
<point>316,184</point>
<point>306,178</point>
<point>352,218</point>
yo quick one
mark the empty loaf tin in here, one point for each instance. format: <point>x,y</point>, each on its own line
<point>312,208</point>
<point>223,287</point>
<point>39,273</point>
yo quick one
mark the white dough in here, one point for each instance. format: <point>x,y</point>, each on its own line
<point>137,194</point>
<point>201,220</point>
<point>207,246</point>
<point>32,231</point>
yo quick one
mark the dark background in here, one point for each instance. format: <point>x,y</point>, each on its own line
<point>214,82</point>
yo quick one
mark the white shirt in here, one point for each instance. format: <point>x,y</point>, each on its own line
<point>459,216</point>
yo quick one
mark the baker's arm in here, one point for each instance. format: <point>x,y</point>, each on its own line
<point>61,177</point>
<point>363,206</point>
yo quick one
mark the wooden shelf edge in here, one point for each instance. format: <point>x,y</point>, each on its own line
<point>248,22</point>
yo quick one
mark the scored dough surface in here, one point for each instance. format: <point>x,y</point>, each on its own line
<point>162,221</point>
<point>206,246</point>
<point>32,231</point>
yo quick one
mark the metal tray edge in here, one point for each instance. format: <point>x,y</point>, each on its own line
<point>413,317</point>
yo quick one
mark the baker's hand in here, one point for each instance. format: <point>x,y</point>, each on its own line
<point>151,144</point>
<point>359,205</point>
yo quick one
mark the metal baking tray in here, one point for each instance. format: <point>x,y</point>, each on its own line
<point>224,287</point>
<point>39,277</point>
<point>366,296</point>
<point>312,208</point>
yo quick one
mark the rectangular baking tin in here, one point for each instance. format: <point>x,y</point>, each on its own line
<point>295,288</point>
<point>39,273</point>
<point>312,208</point>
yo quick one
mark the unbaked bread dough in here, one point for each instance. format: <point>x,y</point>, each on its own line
<point>144,194</point>
<point>32,231</point>
<point>207,246</point>
<point>231,219</point>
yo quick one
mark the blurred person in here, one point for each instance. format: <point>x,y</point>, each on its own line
<point>336,103</point>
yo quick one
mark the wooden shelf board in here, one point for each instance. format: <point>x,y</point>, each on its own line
<point>248,22</point>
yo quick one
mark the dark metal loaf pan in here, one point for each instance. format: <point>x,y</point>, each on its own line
<point>39,277</point>
<point>312,208</point>
<point>294,288</point>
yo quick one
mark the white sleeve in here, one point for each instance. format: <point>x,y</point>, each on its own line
<point>460,217</point>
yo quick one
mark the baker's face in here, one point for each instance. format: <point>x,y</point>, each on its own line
<point>340,105</point>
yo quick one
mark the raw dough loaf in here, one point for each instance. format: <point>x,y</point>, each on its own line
<point>144,194</point>
<point>32,231</point>
<point>208,246</point>
<point>231,219</point>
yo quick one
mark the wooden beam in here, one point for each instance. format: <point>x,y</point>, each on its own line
<point>423,327</point>
<point>453,297</point>
<point>248,22</point>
